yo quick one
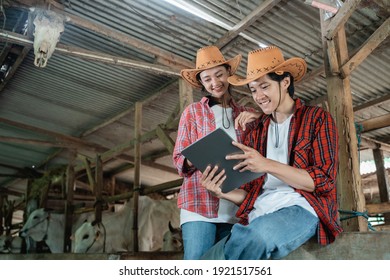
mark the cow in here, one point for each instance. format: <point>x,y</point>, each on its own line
<point>114,233</point>
<point>48,28</point>
<point>10,244</point>
<point>45,225</point>
<point>172,239</point>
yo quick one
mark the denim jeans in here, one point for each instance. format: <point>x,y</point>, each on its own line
<point>272,236</point>
<point>198,237</point>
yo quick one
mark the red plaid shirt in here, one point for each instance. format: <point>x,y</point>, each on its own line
<point>196,121</point>
<point>313,146</point>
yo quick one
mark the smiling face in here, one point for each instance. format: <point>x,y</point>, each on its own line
<point>215,81</point>
<point>265,93</point>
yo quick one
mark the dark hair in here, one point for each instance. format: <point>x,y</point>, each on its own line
<point>275,77</point>
<point>227,66</point>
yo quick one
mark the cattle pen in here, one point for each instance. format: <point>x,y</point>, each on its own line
<point>89,124</point>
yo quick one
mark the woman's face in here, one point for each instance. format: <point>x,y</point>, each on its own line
<point>265,93</point>
<point>215,81</point>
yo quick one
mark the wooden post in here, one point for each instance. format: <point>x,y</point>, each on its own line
<point>349,186</point>
<point>98,189</point>
<point>70,179</point>
<point>381,174</point>
<point>137,171</point>
<point>2,198</point>
<point>186,96</point>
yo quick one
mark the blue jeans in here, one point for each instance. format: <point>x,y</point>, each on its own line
<point>272,236</point>
<point>198,237</point>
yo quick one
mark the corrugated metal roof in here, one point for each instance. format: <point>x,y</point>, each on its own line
<point>73,96</point>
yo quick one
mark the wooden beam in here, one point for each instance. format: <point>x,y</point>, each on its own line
<point>167,58</point>
<point>375,123</point>
<point>341,17</point>
<point>349,188</point>
<point>15,140</point>
<point>262,9</point>
<point>98,189</point>
<point>119,149</point>
<point>168,87</point>
<point>15,66</point>
<point>163,186</point>
<point>70,181</point>
<point>311,75</point>
<point>374,144</point>
<point>137,171</point>
<point>61,138</point>
<point>186,94</point>
<point>93,56</point>
<point>381,175</point>
<point>371,43</point>
<point>378,208</point>
<point>165,138</point>
<point>377,102</point>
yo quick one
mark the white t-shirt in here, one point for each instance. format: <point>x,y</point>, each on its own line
<point>227,210</point>
<point>276,193</point>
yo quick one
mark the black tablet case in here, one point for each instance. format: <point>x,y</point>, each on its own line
<point>212,150</point>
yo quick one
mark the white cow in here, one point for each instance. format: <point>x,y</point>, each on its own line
<point>43,225</point>
<point>10,244</point>
<point>48,29</point>
<point>114,234</point>
<point>172,239</point>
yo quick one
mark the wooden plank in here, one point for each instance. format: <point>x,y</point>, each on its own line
<point>348,246</point>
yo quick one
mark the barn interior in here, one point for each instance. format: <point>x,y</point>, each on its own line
<point>94,123</point>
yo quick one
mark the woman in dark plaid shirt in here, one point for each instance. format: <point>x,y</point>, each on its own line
<point>296,147</point>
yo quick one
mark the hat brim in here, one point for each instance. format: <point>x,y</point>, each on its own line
<point>295,66</point>
<point>190,74</point>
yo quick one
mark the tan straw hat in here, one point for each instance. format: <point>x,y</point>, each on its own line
<point>206,58</point>
<point>268,60</point>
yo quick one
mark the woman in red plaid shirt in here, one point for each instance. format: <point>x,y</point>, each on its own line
<point>296,146</point>
<point>204,218</point>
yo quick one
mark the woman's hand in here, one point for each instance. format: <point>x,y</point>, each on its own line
<point>245,118</point>
<point>250,160</point>
<point>212,181</point>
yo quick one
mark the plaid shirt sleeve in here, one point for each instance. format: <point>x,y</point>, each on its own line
<point>184,136</point>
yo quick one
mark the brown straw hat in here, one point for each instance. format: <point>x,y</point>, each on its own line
<point>268,60</point>
<point>206,58</point>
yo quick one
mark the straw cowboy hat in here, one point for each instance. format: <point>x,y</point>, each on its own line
<point>268,60</point>
<point>206,58</point>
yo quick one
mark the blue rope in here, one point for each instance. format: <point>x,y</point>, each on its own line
<point>353,214</point>
<point>359,129</point>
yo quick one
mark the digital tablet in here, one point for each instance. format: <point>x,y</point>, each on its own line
<point>212,150</point>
